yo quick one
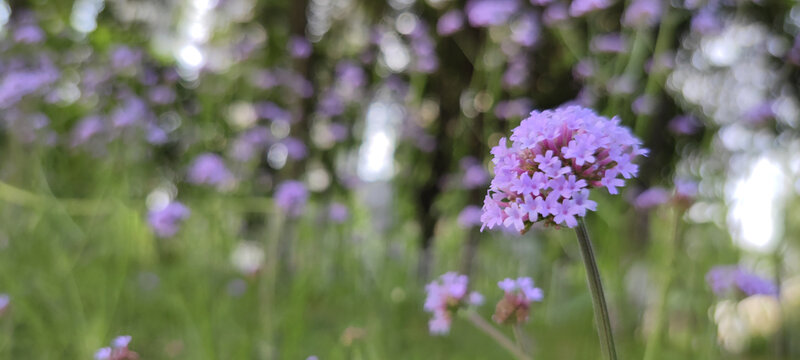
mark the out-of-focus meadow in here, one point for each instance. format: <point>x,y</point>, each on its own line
<point>243,179</point>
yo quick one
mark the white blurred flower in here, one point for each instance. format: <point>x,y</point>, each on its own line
<point>732,332</point>
<point>762,313</point>
<point>248,257</point>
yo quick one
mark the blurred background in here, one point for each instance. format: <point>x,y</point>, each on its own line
<point>276,179</point>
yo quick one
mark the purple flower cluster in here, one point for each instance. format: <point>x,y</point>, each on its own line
<point>450,22</point>
<point>291,197</point>
<point>483,13</point>
<point>470,216</point>
<point>555,158</point>
<point>446,295</point>
<point>519,294</point>
<point>730,278</point>
<point>643,13</point>
<point>5,301</point>
<point>210,169</point>
<point>117,351</point>
<point>579,8</point>
<point>338,212</point>
<point>166,221</point>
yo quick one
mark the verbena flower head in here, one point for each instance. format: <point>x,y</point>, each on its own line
<point>450,22</point>
<point>579,8</point>
<point>210,169</point>
<point>519,294</point>
<point>484,13</point>
<point>470,216</point>
<point>445,296</point>
<point>338,212</point>
<point>642,13</point>
<point>651,198</point>
<point>166,221</point>
<point>729,279</point>
<point>5,301</point>
<point>291,197</point>
<point>117,351</point>
<point>555,158</point>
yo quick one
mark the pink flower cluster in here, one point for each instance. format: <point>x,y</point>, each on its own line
<point>117,351</point>
<point>555,158</point>
<point>519,294</point>
<point>445,296</point>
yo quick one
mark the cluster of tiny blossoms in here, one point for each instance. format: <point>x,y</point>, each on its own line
<point>555,157</point>
<point>117,351</point>
<point>519,294</point>
<point>445,296</point>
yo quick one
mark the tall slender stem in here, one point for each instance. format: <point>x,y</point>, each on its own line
<point>653,347</point>
<point>596,288</point>
<point>495,334</point>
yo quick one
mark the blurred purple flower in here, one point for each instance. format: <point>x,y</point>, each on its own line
<point>291,197</point>
<point>338,131</point>
<point>514,108</point>
<point>155,135</point>
<point>338,212</point>
<point>584,69</point>
<point>271,111</point>
<point>729,278</point>
<point>299,47</point>
<point>450,22</point>
<point>118,350</point>
<point>87,128</point>
<point>161,95</point>
<point>706,21</point>
<point>132,111</point>
<point>331,104</point>
<point>444,295</point>
<point>519,294</point>
<point>18,83</point>
<point>470,216</point>
<point>685,190</point>
<point>249,143</point>
<point>760,114</point>
<point>123,57</point>
<point>121,341</point>
<point>475,175</point>
<point>579,8</point>
<point>166,221</point>
<point>684,125</point>
<point>609,43</point>
<point>28,34</point>
<point>662,62</point>
<point>643,13</point>
<point>483,13</point>
<point>555,13</point>
<point>651,198</point>
<point>350,77</point>
<point>264,79</point>
<point>295,148</point>
<point>644,105</point>
<point>526,30</point>
<point>794,53</point>
<point>5,301</point>
<point>517,72</point>
<point>209,169</point>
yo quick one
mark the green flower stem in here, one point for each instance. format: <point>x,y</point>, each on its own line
<point>596,288</point>
<point>496,335</point>
<point>654,341</point>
